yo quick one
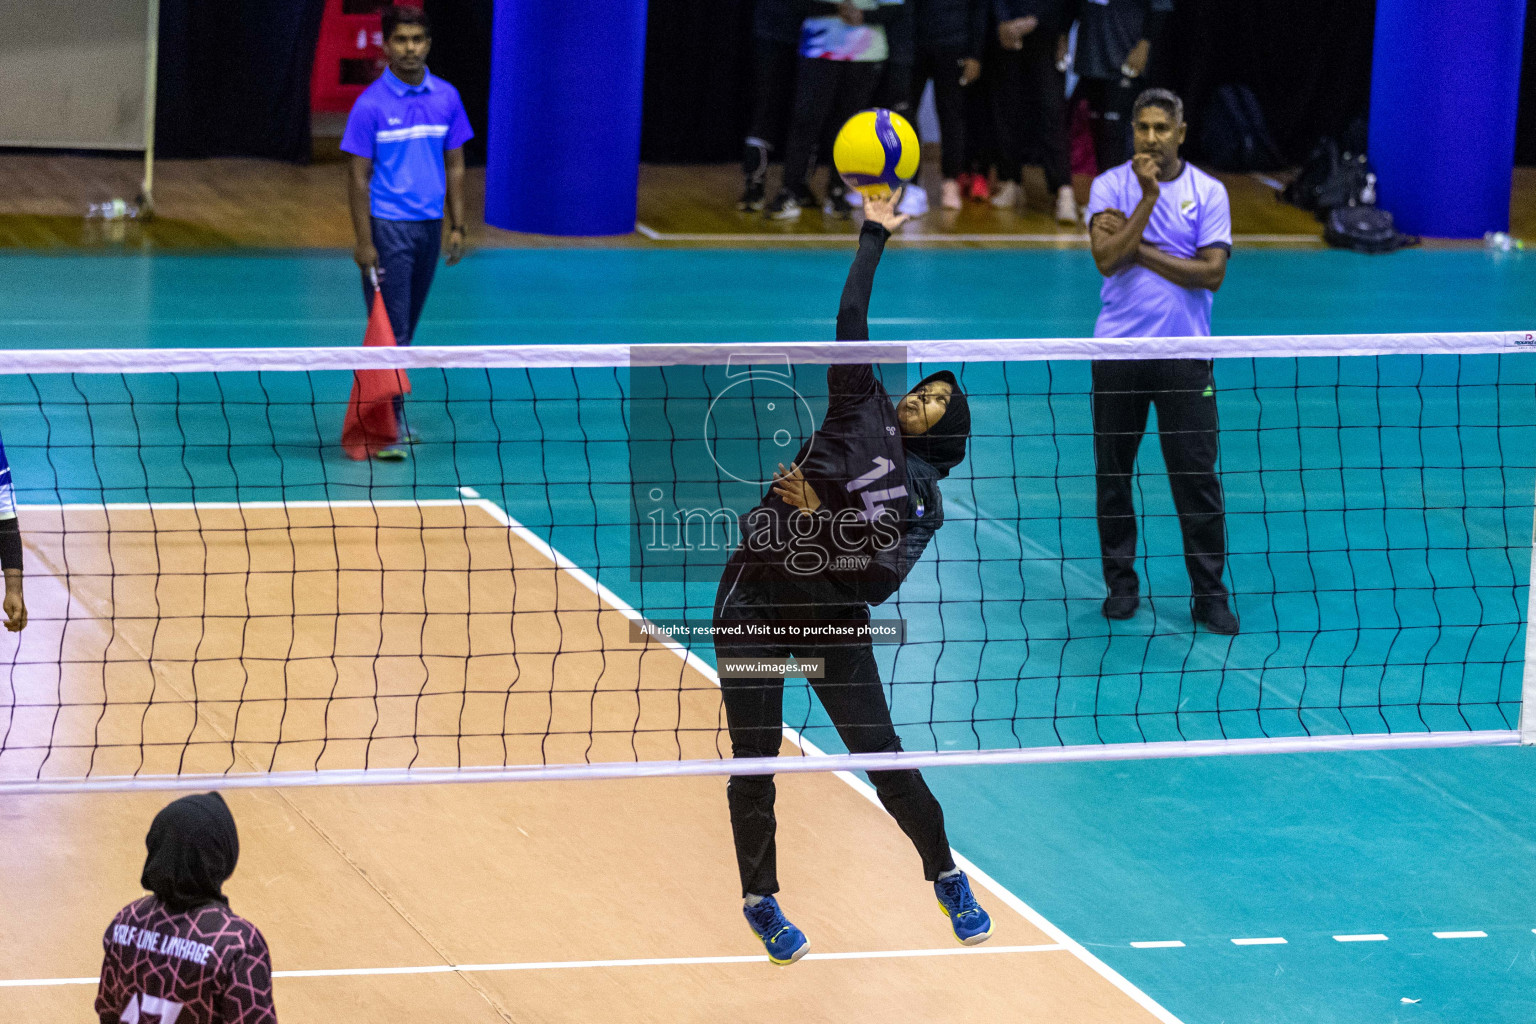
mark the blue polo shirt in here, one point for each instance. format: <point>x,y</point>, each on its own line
<point>7,492</point>
<point>405,130</point>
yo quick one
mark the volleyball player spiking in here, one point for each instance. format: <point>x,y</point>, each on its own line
<point>838,532</point>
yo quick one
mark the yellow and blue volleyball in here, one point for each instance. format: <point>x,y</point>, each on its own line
<point>876,151</point>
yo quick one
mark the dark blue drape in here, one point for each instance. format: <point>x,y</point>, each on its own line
<point>1444,91</point>
<point>234,78</point>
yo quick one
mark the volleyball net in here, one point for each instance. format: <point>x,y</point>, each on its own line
<point>219,594</point>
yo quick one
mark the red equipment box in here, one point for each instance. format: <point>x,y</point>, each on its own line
<point>349,54</point>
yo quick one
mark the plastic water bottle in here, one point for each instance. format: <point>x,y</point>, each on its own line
<point>1368,193</point>
<point>112,209</point>
<point>1502,241</point>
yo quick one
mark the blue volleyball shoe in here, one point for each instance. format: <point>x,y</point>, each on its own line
<point>972,925</point>
<point>784,942</point>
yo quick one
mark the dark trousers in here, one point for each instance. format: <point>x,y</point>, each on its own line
<point>942,66</point>
<point>1109,108</point>
<point>408,251</point>
<point>853,698</point>
<point>1183,391</point>
<point>773,95</point>
<point>1029,96</point>
<point>827,93</point>
<point>980,129</point>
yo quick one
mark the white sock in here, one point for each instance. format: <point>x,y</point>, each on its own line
<point>753,899</point>
<point>951,873</point>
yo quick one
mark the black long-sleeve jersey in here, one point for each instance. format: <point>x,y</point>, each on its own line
<point>856,549</point>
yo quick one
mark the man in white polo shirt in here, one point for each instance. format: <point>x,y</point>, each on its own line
<point>1161,232</point>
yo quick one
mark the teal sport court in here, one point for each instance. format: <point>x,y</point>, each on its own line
<point>1367,606</point>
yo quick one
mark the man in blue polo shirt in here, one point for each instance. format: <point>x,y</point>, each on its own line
<point>1161,232</point>
<point>405,135</point>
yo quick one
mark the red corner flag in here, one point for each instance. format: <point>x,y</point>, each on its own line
<point>370,423</point>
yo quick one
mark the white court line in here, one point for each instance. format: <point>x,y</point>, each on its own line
<point>497,513</point>
<point>1375,937</point>
<point>1160,944</point>
<point>1073,238</point>
<point>570,965</point>
<point>1461,935</point>
<point>1017,905</point>
<point>1275,941</point>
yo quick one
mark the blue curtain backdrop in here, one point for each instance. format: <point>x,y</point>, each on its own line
<point>234,78</point>
<point>563,149</point>
<point>1444,92</point>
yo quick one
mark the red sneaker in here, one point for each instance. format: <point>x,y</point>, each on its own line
<point>980,190</point>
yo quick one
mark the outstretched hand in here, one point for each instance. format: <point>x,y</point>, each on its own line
<point>882,210</point>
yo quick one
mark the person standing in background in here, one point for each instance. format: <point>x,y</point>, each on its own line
<point>405,134</point>
<point>843,48</point>
<point>1029,90</point>
<point>1161,234</point>
<point>775,55</point>
<point>1114,42</point>
<point>947,45</point>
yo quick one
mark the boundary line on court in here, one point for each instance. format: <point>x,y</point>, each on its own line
<point>861,787</point>
<point>567,965</point>
<point>1075,238</point>
<point>469,496</point>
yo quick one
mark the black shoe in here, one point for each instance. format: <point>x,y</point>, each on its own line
<point>1120,606</point>
<point>783,207</point>
<point>753,197</point>
<point>1214,615</point>
<point>837,205</point>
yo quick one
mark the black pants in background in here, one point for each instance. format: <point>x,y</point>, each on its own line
<point>827,93</point>
<point>980,124</point>
<point>1109,108</point>
<point>855,701</point>
<point>1029,95</point>
<point>1184,393</point>
<point>941,65</point>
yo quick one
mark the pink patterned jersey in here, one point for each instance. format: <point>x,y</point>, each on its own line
<point>206,966</point>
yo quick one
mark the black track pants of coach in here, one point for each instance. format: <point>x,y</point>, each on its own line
<point>855,701</point>
<point>1183,391</point>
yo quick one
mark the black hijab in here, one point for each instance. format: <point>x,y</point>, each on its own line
<point>942,446</point>
<point>193,847</point>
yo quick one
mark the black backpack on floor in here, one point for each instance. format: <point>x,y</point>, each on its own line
<point>1367,229</point>
<point>1331,178</point>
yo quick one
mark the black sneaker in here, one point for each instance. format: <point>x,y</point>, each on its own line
<point>783,207</point>
<point>753,197</point>
<point>1120,606</point>
<point>1214,615</point>
<point>837,205</point>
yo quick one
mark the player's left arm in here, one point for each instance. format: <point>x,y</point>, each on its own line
<point>15,604</point>
<point>453,162</point>
<point>459,132</point>
<point>1213,245</point>
<point>1206,270</point>
<point>247,987</point>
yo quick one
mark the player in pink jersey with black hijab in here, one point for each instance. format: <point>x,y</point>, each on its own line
<point>180,954</point>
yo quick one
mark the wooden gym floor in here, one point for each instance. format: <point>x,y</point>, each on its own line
<point>226,203</point>
<point>586,901</point>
